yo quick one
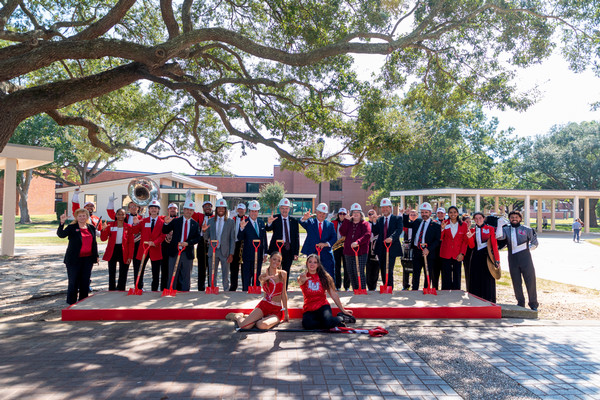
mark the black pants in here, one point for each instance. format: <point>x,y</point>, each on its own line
<point>234,267</point>
<point>389,271</point>
<point>520,264</point>
<point>117,257</point>
<point>372,272</point>
<point>164,267</point>
<point>467,266</point>
<point>79,274</point>
<point>451,274</point>
<point>418,265</point>
<point>321,318</point>
<point>435,270</point>
<point>351,263</point>
<point>202,254</point>
<point>481,282</point>
<point>155,272</point>
<point>407,268</point>
<point>340,260</point>
<point>248,270</point>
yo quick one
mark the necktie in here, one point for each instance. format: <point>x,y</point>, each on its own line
<point>219,228</point>
<point>421,234</point>
<point>286,234</point>
<point>385,226</point>
<point>320,229</point>
<point>152,225</point>
<point>256,228</point>
<point>185,231</point>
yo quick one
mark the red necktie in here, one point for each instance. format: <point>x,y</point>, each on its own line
<point>385,226</point>
<point>185,231</point>
<point>320,230</point>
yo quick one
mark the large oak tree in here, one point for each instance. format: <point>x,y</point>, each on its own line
<point>276,73</point>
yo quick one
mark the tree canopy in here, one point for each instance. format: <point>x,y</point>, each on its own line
<point>194,77</point>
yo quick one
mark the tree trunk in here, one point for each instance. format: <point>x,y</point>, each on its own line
<point>593,218</point>
<point>23,190</point>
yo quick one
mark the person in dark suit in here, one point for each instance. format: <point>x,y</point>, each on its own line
<point>425,231</point>
<point>186,233</point>
<point>202,250</point>
<point>388,229</point>
<point>320,231</point>
<point>237,253</point>
<point>173,212</point>
<point>250,230</point>
<point>284,228</point>
<point>81,255</point>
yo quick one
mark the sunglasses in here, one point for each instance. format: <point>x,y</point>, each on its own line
<point>341,213</point>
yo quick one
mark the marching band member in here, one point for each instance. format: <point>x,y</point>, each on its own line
<point>521,240</point>
<point>426,233</point>
<point>438,263</point>
<point>372,267</point>
<point>186,233</point>
<point>407,250</point>
<point>338,254</point>
<point>252,229</point>
<point>81,254</point>
<point>388,229</point>
<point>320,232</point>
<point>481,282</point>
<point>90,207</point>
<point>151,231</point>
<point>222,229</point>
<point>237,254</point>
<point>119,249</point>
<point>202,251</point>
<point>466,218</point>
<point>284,227</point>
<point>173,212</point>
<point>358,233</point>
<point>453,249</point>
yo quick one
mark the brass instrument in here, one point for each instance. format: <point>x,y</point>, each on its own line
<point>339,244</point>
<point>142,191</point>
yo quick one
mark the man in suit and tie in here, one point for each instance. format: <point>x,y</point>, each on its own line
<point>223,230</point>
<point>250,230</point>
<point>202,251</point>
<point>426,232</point>
<point>388,229</point>
<point>320,232</point>
<point>186,233</point>
<point>285,228</point>
<point>237,253</point>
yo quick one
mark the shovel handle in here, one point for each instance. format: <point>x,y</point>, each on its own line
<point>355,250</point>
<point>387,245</point>
<point>214,245</point>
<point>423,246</point>
<point>318,250</point>
<point>256,244</point>
<point>279,244</point>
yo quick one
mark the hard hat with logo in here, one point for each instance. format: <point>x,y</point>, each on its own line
<point>254,205</point>
<point>173,205</point>
<point>385,202</point>
<point>221,203</point>
<point>441,210</point>
<point>355,207</point>
<point>343,210</point>
<point>426,206</point>
<point>323,208</point>
<point>189,205</point>
<point>89,203</point>
<point>284,202</point>
<point>154,203</point>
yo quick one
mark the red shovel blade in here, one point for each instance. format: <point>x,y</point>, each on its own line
<point>135,292</point>
<point>254,290</point>
<point>430,291</point>
<point>385,289</point>
<point>169,293</point>
<point>360,291</point>
<point>212,290</point>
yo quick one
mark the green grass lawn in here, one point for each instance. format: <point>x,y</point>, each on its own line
<point>40,223</point>
<point>41,241</point>
<point>594,241</point>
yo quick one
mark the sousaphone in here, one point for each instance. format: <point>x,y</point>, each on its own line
<point>142,191</point>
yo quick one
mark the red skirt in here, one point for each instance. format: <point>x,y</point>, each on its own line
<point>270,309</point>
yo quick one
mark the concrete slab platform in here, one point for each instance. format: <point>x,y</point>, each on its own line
<point>448,304</point>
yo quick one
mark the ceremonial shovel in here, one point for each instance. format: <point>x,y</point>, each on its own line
<point>279,244</point>
<point>359,290</point>
<point>170,291</point>
<point>385,288</point>
<point>136,291</point>
<point>212,289</point>
<point>428,289</point>
<point>255,289</point>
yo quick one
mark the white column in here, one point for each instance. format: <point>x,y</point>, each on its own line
<point>526,210</point>
<point>9,206</point>
<point>453,199</point>
<point>477,202</point>
<point>553,218</point>
<point>420,200</point>
<point>402,202</point>
<point>539,216</point>
<point>497,204</point>
<point>586,214</point>
<point>576,207</point>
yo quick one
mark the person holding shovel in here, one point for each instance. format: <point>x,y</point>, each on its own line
<point>358,233</point>
<point>316,283</point>
<point>388,230</point>
<point>250,230</point>
<point>272,309</point>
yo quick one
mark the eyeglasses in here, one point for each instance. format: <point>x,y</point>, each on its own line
<point>341,213</point>
<point>371,214</point>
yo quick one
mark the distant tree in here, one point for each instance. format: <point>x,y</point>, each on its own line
<point>271,194</point>
<point>567,158</point>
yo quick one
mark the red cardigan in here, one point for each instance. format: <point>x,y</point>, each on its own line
<point>362,235</point>
<point>111,235</point>
<point>453,246</point>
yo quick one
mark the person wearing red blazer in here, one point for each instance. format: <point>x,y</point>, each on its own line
<point>481,282</point>
<point>118,250</point>
<point>453,249</point>
<point>151,230</point>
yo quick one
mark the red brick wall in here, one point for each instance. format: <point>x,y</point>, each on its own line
<point>40,198</point>
<point>232,184</point>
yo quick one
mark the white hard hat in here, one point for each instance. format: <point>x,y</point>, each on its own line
<point>154,203</point>
<point>284,202</point>
<point>385,202</point>
<point>343,210</point>
<point>207,202</point>
<point>253,205</point>
<point>241,206</point>
<point>189,205</point>
<point>323,208</point>
<point>89,203</point>
<point>426,206</point>
<point>173,205</point>
<point>441,209</point>
<point>355,207</point>
<point>221,203</point>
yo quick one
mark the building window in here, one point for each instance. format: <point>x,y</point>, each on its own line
<point>252,187</point>
<point>90,198</point>
<point>335,185</point>
<point>180,185</point>
<point>334,206</point>
<point>173,184</point>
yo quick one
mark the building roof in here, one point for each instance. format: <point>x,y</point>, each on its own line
<point>27,157</point>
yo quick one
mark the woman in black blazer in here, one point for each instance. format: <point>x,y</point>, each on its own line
<point>82,253</point>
